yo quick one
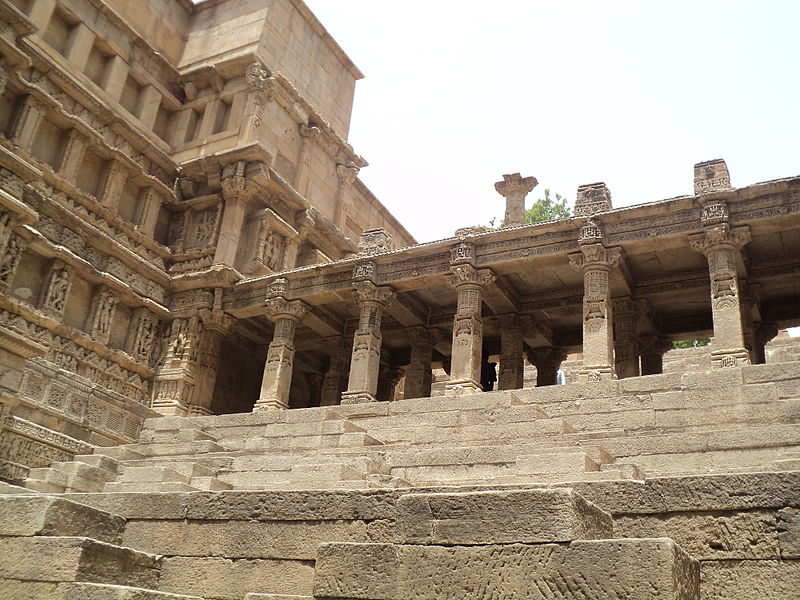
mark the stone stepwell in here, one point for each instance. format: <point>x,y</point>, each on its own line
<point>663,486</point>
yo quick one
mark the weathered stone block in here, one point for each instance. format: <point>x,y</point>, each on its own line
<point>788,521</point>
<point>748,579</point>
<point>608,569</point>
<point>525,516</point>
<point>48,516</point>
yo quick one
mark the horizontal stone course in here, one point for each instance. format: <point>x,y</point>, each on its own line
<point>492,517</point>
<point>35,590</point>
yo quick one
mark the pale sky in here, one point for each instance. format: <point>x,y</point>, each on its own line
<point>632,93</point>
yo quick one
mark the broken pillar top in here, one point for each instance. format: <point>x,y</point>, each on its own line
<point>711,176</point>
<point>514,188</point>
<point>373,241</point>
<point>592,198</point>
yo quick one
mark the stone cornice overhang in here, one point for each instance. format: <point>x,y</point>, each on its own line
<point>424,265</point>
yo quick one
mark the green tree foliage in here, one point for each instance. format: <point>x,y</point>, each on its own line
<point>691,343</point>
<point>548,209</point>
<point>544,209</point>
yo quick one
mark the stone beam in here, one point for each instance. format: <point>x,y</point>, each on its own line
<point>408,310</point>
<point>501,297</point>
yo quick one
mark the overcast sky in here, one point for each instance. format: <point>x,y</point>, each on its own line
<point>632,93</point>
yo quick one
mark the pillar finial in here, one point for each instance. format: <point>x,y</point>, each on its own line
<point>514,188</point>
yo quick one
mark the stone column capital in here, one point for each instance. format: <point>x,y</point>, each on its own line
<point>720,236</point>
<point>346,173</point>
<point>515,183</point>
<point>216,320</point>
<point>596,256</point>
<point>280,308</point>
<point>367,293</point>
<point>309,132</point>
<point>467,275</point>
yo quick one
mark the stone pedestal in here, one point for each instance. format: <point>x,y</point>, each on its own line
<point>365,362</point>
<point>276,383</point>
<point>720,243</point>
<point>595,261</point>
<point>512,363</point>
<point>465,360</point>
<point>547,362</point>
<point>515,188</point>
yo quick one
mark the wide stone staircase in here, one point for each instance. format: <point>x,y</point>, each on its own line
<point>732,420</point>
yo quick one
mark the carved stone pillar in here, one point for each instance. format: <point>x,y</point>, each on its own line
<point>651,352</point>
<point>72,155</point>
<point>764,333</point>
<point>387,383</point>
<point>336,376</point>
<point>3,77</point>
<point>54,297</point>
<point>234,186</point>
<point>151,206</point>
<point>721,243</point>
<point>277,379</point>
<point>466,357</point>
<point>419,376</point>
<point>365,362</point>
<point>514,188</point>
<point>307,137</point>
<point>626,341</point>
<point>26,122</point>
<point>9,259</point>
<point>512,362</point>
<point>596,261</point>
<point>547,361</point>
<point>216,325</point>
<point>347,175</point>
<point>175,376</point>
<point>259,81</point>
<point>101,314</point>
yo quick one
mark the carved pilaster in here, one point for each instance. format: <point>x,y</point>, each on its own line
<point>365,362</point>
<point>74,148</point>
<point>419,376</point>
<point>275,385</point>
<point>59,281</point>
<point>26,123</point>
<point>260,82</point>
<point>596,261</point>
<point>175,377</point>
<point>465,369</point>
<point>721,244</point>
<point>216,325</point>
<point>307,136</point>
<point>547,361</point>
<point>512,362</point>
<point>626,340</point>
<point>9,259</point>
<point>515,188</point>
<point>101,314</point>
<point>112,186</point>
<point>347,174</point>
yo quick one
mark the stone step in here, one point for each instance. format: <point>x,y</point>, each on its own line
<point>275,597</point>
<point>499,517</point>
<point>100,461</point>
<point>174,435</point>
<point>34,590</point>
<point>76,559</point>
<point>176,448</point>
<point>49,516</point>
<point>210,484</point>
<point>127,452</point>
<point>148,486</point>
<point>43,487</point>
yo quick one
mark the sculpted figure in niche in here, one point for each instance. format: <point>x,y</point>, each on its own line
<point>57,293</point>
<point>10,259</point>
<point>103,312</point>
<point>273,251</point>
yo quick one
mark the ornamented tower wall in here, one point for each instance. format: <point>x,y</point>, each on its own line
<point>151,154</point>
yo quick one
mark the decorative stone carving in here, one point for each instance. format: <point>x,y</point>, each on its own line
<point>596,262</point>
<point>464,252</point>
<point>9,260</point>
<point>3,78</point>
<point>711,176</point>
<point>466,357</point>
<point>592,199</point>
<point>365,362</point>
<point>144,326</point>
<point>101,314</point>
<point>280,356</point>
<point>514,188</point>
<point>721,244</point>
<point>375,241</point>
<point>58,284</point>
<point>365,270</point>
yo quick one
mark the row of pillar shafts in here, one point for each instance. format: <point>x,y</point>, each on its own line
<point>604,357</point>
